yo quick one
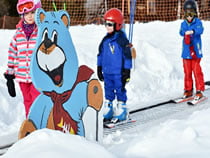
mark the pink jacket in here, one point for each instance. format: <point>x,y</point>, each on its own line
<point>20,52</point>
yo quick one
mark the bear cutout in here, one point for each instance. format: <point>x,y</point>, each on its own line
<point>67,90</point>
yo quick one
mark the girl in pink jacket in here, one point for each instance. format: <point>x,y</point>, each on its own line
<point>20,51</point>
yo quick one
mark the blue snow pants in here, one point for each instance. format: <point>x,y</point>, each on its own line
<point>114,88</point>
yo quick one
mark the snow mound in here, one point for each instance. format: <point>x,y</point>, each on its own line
<point>51,143</point>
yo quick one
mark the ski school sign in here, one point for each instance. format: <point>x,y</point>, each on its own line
<point>69,101</point>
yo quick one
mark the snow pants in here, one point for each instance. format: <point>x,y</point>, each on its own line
<point>192,66</point>
<point>114,88</point>
<point>29,93</point>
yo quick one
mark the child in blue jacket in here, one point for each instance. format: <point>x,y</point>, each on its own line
<point>191,29</point>
<point>114,62</point>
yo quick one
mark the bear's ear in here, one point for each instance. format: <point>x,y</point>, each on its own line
<point>65,17</point>
<point>39,16</point>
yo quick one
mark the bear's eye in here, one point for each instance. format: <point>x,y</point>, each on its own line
<point>45,35</point>
<point>54,37</point>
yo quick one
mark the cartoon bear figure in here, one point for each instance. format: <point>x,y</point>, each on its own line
<point>66,90</point>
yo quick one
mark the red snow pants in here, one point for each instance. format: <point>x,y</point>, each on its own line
<point>192,67</point>
<point>29,93</point>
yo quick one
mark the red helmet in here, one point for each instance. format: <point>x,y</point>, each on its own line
<point>114,15</point>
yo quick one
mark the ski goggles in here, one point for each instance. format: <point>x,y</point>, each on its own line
<point>25,7</point>
<point>109,24</point>
<point>189,14</point>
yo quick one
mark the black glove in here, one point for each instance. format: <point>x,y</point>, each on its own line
<point>10,84</point>
<point>99,73</point>
<point>125,76</point>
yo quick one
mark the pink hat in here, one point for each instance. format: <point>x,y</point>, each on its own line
<point>25,6</point>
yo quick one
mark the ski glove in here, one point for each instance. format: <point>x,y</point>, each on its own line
<point>99,73</point>
<point>10,84</point>
<point>125,76</point>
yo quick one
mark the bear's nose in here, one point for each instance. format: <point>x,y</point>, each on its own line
<point>48,43</point>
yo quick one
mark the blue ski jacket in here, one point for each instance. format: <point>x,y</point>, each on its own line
<point>197,27</point>
<point>114,53</point>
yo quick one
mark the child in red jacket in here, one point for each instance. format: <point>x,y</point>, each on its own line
<point>20,52</point>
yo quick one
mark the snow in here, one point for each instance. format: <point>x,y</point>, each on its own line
<point>61,145</point>
<point>157,76</point>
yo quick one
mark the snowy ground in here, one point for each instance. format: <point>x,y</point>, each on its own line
<point>158,76</point>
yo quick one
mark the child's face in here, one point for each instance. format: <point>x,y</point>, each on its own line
<point>109,26</point>
<point>29,17</point>
<point>189,18</point>
<point>189,15</point>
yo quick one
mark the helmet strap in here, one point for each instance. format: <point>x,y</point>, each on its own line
<point>115,26</point>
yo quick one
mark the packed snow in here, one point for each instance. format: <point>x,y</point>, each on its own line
<point>157,76</point>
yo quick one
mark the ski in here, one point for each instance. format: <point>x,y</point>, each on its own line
<point>197,101</point>
<point>182,100</point>
<point>114,122</point>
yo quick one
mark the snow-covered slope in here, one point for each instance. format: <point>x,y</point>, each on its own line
<point>158,76</point>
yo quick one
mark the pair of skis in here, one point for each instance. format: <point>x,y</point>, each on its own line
<point>190,100</point>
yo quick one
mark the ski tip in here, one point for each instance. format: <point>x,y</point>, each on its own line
<point>119,123</point>
<point>192,103</point>
<point>109,126</point>
<point>131,121</point>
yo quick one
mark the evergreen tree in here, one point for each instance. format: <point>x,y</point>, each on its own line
<point>4,8</point>
<point>11,7</point>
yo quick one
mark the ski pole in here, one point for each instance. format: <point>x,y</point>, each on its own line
<point>132,13</point>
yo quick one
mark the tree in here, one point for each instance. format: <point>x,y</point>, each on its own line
<point>4,8</point>
<point>8,7</point>
<point>12,11</point>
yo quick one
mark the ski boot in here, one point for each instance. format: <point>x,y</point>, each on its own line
<point>120,112</point>
<point>198,95</point>
<point>187,94</point>
<point>108,110</point>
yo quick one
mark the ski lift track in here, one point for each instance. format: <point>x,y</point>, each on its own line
<point>156,114</point>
